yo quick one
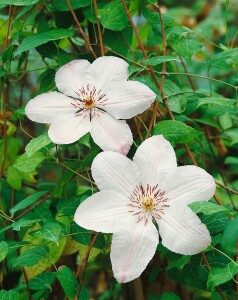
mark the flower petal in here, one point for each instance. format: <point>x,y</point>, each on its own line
<point>155,158</point>
<point>132,250</point>
<point>111,134</point>
<point>69,129</point>
<point>127,99</point>
<point>107,70</point>
<point>72,76</point>
<point>188,184</point>
<point>45,107</point>
<point>105,211</point>
<point>182,231</point>
<point>112,170</point>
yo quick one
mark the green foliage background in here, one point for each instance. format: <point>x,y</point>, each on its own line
<point>42,185</point>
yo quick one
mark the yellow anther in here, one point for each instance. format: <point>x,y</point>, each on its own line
<point>89,102</point>
<point>147,203</point>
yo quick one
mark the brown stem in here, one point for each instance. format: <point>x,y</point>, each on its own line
<point>226,188</point>
<point>189,77</point>
<point>138,130</point>
<point>99,28</point>
<point>83,265</point>
<point>81,30</point>
<point>45,197</point>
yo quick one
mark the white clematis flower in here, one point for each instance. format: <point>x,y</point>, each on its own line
<point>92,98</point>
<point>137,194</point>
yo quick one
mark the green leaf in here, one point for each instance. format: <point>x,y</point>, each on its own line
<point>49,231</point>
<point>180,39</point>
<point>118,40</point>
<point>31,257</point>
<point>37,143</point>
<point>68,207</point>
<point>219,276</point>
<point>38,39</point>
<point>3,250</point>
<point>26,202</point>
<point>29,164</point>
<point>23,222</point>
<point>14,178</point>
<point>224,59</point>
<point>42,281</point>
<point>112,16</point>
<point>154,61</point>
<point>169,296</point>
<point>215,222</point>
<point>2,72</point>
<point>61,5</point>
<point>217,101</point>
<point>18,2</point>
<point>176,132</point>
<point>9,295</point>
<point>83,236</point>
<point>208,208</point>
<point>230,160</point>
<point>67,281</point>
<point>229,237</point>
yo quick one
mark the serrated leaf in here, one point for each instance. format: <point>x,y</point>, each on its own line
<point>37,143</point>
<point>219,276</point>
<point>217,101</point>
<point>224,59</point>
<point>112,16</point>
<point>42,281</point>
<point>180,39</point>
<point>208,208</point>
<point>176,132</point>
<point>54,253</point>
<point>3,250</point>
<point>26,202</point>
<point>22,223</point>
<point>18,2</point>
<point>154,61</point>
<point>29,164</point>
<point>215,222</point>
<point>31,257</point>
<point>9,295</point>
<point>38,39</point>
<point>49,231</point>
<point>67,281</point>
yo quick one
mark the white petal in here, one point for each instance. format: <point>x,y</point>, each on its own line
<point>132,250</point>
<point>69,129</point>
<point>105,211</point>
<point>111,134</point>
<point>107,70</point>
<point>188,184</point>
<point>72,76</point>
<point>127,99</point>
<point>155,157</point>
<point>112,170</point>
<point>182,231</point>
<point>45,107</point>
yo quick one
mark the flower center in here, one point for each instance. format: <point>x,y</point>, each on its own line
<point>89,102</point>
<point>147,202</point>
<point>88,97</point>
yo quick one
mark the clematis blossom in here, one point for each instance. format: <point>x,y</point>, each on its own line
<point>92,98</point>
<point>136,195</point>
